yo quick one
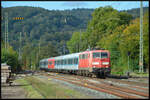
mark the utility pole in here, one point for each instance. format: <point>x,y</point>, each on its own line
<point>6,31</point>
<point>20,48</point>
<point>141,40</point>
<point>65,21</point>
<point>38,54</point>
<point>64,49</point>
<point>37,59</point>
<point>39,46</point>
<point>80,41</point>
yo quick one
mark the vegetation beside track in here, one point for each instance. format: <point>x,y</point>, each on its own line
<point>140,74</point>
<point>133,74</point>
<point>37,88</point>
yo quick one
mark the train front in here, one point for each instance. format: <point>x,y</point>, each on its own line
<point>101,62</point>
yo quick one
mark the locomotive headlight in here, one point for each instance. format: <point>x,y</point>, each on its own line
<point>107,66</point>
<point>95,63</point>
<point>105,63</point>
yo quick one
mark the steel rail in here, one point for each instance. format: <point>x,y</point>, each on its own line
<point>101,89</point>
<point>115,87</point>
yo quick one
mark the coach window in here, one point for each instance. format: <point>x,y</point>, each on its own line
<point>83,56</point>
<point>58,62</point>
<point>74,60</point>
<point>77,60</point>
<point>69,61</point>
<point>46,63</point>
<point>55,62</point>
<point>61,62</point>
<point>65,61</point>
<point>86,56</point>
<point>80,56</point>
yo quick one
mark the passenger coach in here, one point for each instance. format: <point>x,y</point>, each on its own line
<point>87,63</point>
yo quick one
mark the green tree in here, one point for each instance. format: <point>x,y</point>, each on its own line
<point>10,57</point>
<point>48,51</point>
<point>131,41</point>
<point>104,22</point>
<point>73,44</point>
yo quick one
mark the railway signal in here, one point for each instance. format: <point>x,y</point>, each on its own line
<point>18,18</point>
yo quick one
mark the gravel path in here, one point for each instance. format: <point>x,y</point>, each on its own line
<point>12,92</point>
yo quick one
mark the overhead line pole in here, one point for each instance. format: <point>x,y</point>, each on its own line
<point>141,40</point>
<point>80,41</point>
<point>6,30</point>
<point>39,49</point>
<point>20,48</point>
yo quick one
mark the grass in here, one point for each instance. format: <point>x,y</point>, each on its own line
<point>136,74</point>
<point>31,93</point>
<point>140,74</point>
<point>38,88</point>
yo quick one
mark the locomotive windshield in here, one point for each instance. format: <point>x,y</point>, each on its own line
<point>100,55</point>
<point>104,55</point>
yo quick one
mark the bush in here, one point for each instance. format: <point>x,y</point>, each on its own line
<point>10,57</point>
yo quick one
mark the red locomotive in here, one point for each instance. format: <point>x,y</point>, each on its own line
<point>87,63</point>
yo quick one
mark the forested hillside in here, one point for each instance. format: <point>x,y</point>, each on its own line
<point>49,26</point>
<point>135,12</point>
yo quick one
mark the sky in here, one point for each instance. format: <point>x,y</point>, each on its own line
<point>64,5</point>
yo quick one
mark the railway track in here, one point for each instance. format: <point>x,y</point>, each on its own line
<point>137,85</point>
<point>123,92</point>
